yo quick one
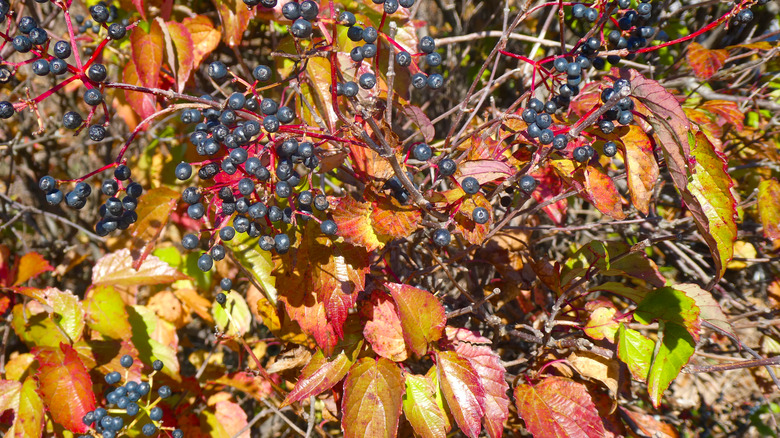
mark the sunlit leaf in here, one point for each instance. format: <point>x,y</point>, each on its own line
<point>23,400</point>
<point>258,262</point>
<point>705,62</point>
<point>673,352</point>
<point>66,309</point>
<point>154,210</point>
<point>602,192</point>
<point>419,118</point>
<point>185,56</point>
<point>234,16</point>
<point>318,376</point>
<point>354,221</point>
<point>636,351</point>
<point>709,309</point>
<point>420,407</point>
<point>382,328</point>
<point>373,393</point>
<point>149,334</point>
<point>485,171</point>
<point>726,112</point>
<point>30,266</point>
<point>558,407</point>
<point>669,304</point>
<point>65,386</point>
<point>205,38</point>
<point>34,326</point>
<point>117,269</point>
<point>234,318</point>
<point>641,167</point>
<point>422,316</point>
<point>460,384</point>
<point>147,53</point>
<point>390,219</point>
<point>601,324</point>
<point>232,418</point>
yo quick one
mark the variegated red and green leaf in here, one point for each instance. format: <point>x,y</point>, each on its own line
<point>65,386</point>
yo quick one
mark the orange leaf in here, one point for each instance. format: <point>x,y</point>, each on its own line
<point>235,16</point>
<point>204,37</point>
<point>641,167</point>
<point>117,269</point>
<point>354,221</point>
<point>383,327</point>
<point>463,391</point>
<point>319,376</point>
<point>65,386</point>
<point>391,219</point>
<point>558,407</point>
<point>30,266</point>
<point>473,232</point>
<point>154,210</point>
<point>422,316</point>
<point>142,103</point>
<point>705,62</point>
<point>726,112</point>
<point>602,192</point>
<point>232,418</point>
<point>185,56</point>
<point>147,53</point>
<point>373,392</point>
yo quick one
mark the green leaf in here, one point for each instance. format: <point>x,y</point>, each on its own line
<point>635,294</point>
<point>144,323</point>
<point>65,309</point>
<point>676,346</point>
<point>668,304</point>
<point>234,318</point>
<point>604,256</point>
<point>106,313</point>
<point>256,261</point>
<point>420,407</point>
<point>23,400</point>
<point>34,326</point>
<point>769,208</point>
<point>636,351</point>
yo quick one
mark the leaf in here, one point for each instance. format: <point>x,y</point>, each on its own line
<point>610,258</point>
<point>598,368</point>
<point>769,208</point>
<point>419,118</point>
<point>716,215</point>
<point>420,407</point>
<point>727,112</point>
<point>144,104</point>
<point>705,62</point>
<point>636,351</point>
<point>668,304</point>
<point>234,318</point>
<point>373,393</point>
<point>65,386</point>
<point>149,335</point>
<point>635,294</point>
<point>641,167</point>
<point>116,269</point>
<point>256,261</point>
<point>422,316</point>
<point>709,309</point>
<point>154,210</point>
<point>461,387</point>
<point>491,372</point>
<point>485,171</point>
<point>354,221</point>
<point>204,37</point>
<point>318,376</point>
<point>382,328</point>
<point>23,400</point>
<point>147,53</point>
<point>235,18</point>
<point>34,327</point>
<point>30,266</point>
<point>106,313</point>
<point>602,192</point>
<point>232,418</point>
<point>185,57</point>
<point>601,324</point>
<point>675,349</point>
<point>67,311</point>
<point>391,220</point>
<point>558,407</point>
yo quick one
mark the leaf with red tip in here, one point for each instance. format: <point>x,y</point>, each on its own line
<point>422,316</point>
<point>235,17</point>
<point>319,375</point>
<point>393,220</point>
<point>147,53</point>
<point>461,387</point>
<point>30,266</point>
<point>709,309</point>
<point>144,104</point>
<point>205,38</point>
<point>421,409</point>
<point>117,269</point>
<point>558,407</point>
<point>705,62</point>
<point>182,41</point>
<point>641,167</point>
<point>354,221</point>
<point>769,208</point>
<point>25,403</point>
<point>383,326</point>
<point>726,112</point>
<point>491,372</point>
<point>373,393</point>
<point>65,386</point>
<point>473,232</point>
<point>601,191</point>
<point>671,305</point>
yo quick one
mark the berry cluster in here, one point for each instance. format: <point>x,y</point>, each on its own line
<point>126,402</point>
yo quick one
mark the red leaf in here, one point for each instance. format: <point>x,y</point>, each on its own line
<point>601,191</point>
<point>473,232</point>
<point>319,375</point>
<point>705,62</point>
<point>726,112</point>
<point>30,266</point>
<point>550,186</point>
<point>147,53</point>
<point>235,17</point>
<point>422,316</point>
<point>419,118</point>
<point>558,407</point>
<point>393,220</point>
<point>354,221</point>
<point>204,37</point>
<point>232,418</point>
<point>142,103</point>
<point>641,167</point>
<point>485,171</point>
<point>487,364</point>
<point>65,386</point>
<point>463,391</point>
<point>383,327</point>
<point>185,57</point>
<point>373,392</point>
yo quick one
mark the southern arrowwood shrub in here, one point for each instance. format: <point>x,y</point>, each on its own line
<point>382,218</point>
